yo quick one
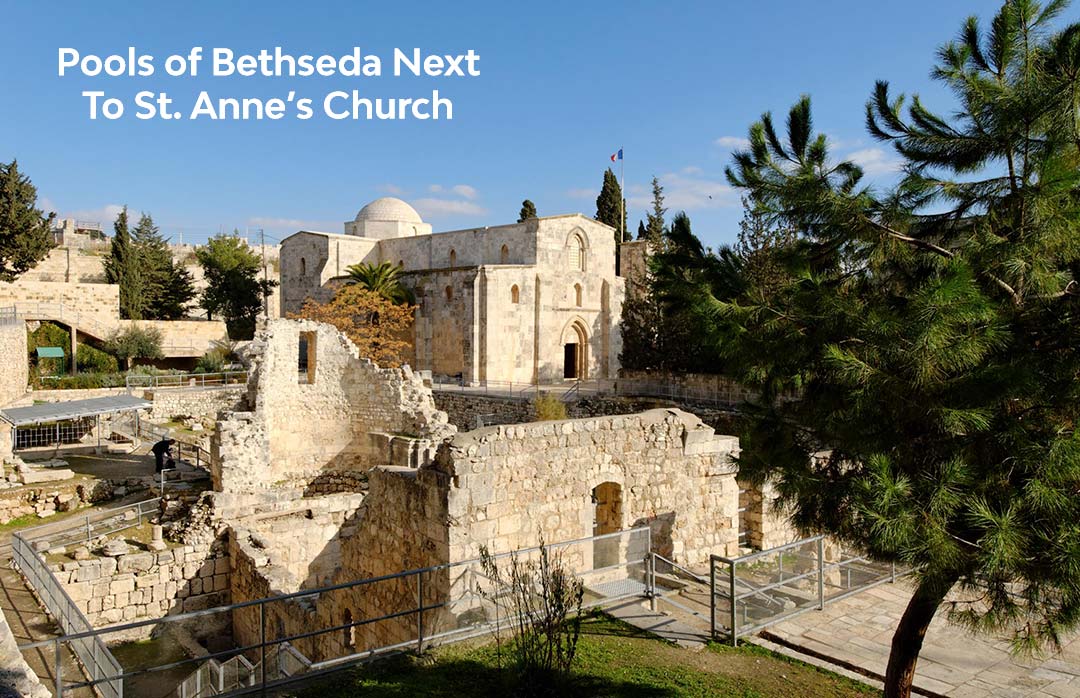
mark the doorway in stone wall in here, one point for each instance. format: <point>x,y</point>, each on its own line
<point>607,518</point>
<point>575,351</point>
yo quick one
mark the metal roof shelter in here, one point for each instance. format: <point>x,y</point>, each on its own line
<point>68,423</point>
<point>60,411</point>
<point>50,353</point>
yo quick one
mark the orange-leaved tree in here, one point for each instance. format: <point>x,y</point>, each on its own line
<point>380,329</point>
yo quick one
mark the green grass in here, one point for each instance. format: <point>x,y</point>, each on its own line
<point>20,522</point>
<point>614,660</point>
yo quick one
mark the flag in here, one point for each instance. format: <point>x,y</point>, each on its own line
<point>616,156</point>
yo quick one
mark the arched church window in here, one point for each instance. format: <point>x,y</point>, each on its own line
<point>577,295</point>
<point>453,258</point>
<point>449,293</point>
<point>577,253</point>
<point>504,256</point>
<point>515,294</point>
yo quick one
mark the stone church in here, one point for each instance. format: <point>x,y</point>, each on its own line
<point>537,301</point>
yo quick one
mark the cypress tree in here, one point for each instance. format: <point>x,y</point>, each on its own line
<point>24,230</point>
<point>654,231</point>
<point>610,207</point>
<point>122,268</point>
<point>528,210</point>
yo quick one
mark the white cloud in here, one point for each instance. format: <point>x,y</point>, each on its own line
<point>583,193</point>
<point>876,161</point>
<point>464,190</point>
<point>291,225</point>
<point>448,207</point>
<point>104,215</point>
<point>686,191</point>
<point>691,170</point>
<point>732,142</point>
<point>391,189</point>
<point>435,188</point>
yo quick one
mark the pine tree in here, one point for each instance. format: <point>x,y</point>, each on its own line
<point>654,231</point>
<point>233,287</point>
<point>528,210</point>
<point>610,207</point>
<point>167,286</point>
<point>761,247</point>
<point>122,268</point>
<point>24,230</point>
<point>931,331</point>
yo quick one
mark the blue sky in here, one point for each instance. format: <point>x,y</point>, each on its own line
<point>562,86</point>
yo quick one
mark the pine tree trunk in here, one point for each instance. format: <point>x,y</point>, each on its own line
<point>908,639</point>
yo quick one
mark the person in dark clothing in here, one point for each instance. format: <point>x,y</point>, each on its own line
<point>161,453</point>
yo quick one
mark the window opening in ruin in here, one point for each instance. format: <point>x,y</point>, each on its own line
<point>348,632</point>
<point>577,295</point>
<point>515,294</point>
<point>449,293</point>
<point>607,518</point>
<point>303,267</point>
<point>504,255</point>
<point>306,358</point>
<point>453,258</point>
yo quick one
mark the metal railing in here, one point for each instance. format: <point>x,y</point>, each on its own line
<point>85,528</point>
<point>753,591</point>
<point>525,391</point>
<point>185,380</point>
<point>90,650</point>
<point>433,605</point>
<point>9,316</point>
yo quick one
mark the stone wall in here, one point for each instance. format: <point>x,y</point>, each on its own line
<point>344,414</point>
<point>16,370</point>
<point>17,679</point>
<point>673,472</point>
<point>196,402</point>
<point>463,409</point>
<point>142,585</point>
<point>44,501</point>
<point>100,303</point>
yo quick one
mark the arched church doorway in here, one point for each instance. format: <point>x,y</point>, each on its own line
<point>575,351</point>
<point>607,518</point>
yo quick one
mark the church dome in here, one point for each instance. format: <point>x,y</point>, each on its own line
<point>389,209</point>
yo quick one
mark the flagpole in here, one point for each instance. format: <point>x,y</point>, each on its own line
<point>622,198</point>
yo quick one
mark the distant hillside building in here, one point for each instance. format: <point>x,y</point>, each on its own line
<point>528,302</point>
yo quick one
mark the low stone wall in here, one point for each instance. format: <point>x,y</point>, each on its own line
<point>196,402</point>
<point>29,500</point>
<point>143,584</point>
<point>463,409</point>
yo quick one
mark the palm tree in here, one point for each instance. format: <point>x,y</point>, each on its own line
<point>383,278</point>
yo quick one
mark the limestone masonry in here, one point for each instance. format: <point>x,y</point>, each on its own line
<point>537,301</point>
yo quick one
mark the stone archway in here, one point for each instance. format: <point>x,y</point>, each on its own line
<point>607,498</point>
<point>575,341</point>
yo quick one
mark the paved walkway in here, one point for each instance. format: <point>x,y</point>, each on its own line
<point>858,631</point>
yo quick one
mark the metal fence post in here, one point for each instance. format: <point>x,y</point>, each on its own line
<point>58,668</point>
<point>821,574</point>
<point>712,596</point>
<point>262,644</point>
<point>419,612</point>
<point>734,604</point>
<point>88,534</point>
<point>892,572</point>
<point>650,570</point>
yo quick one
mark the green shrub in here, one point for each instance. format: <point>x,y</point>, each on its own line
<point>136,342</point>
<point>548,407</point>
<point>94,360</point>
<point>212,361</point>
